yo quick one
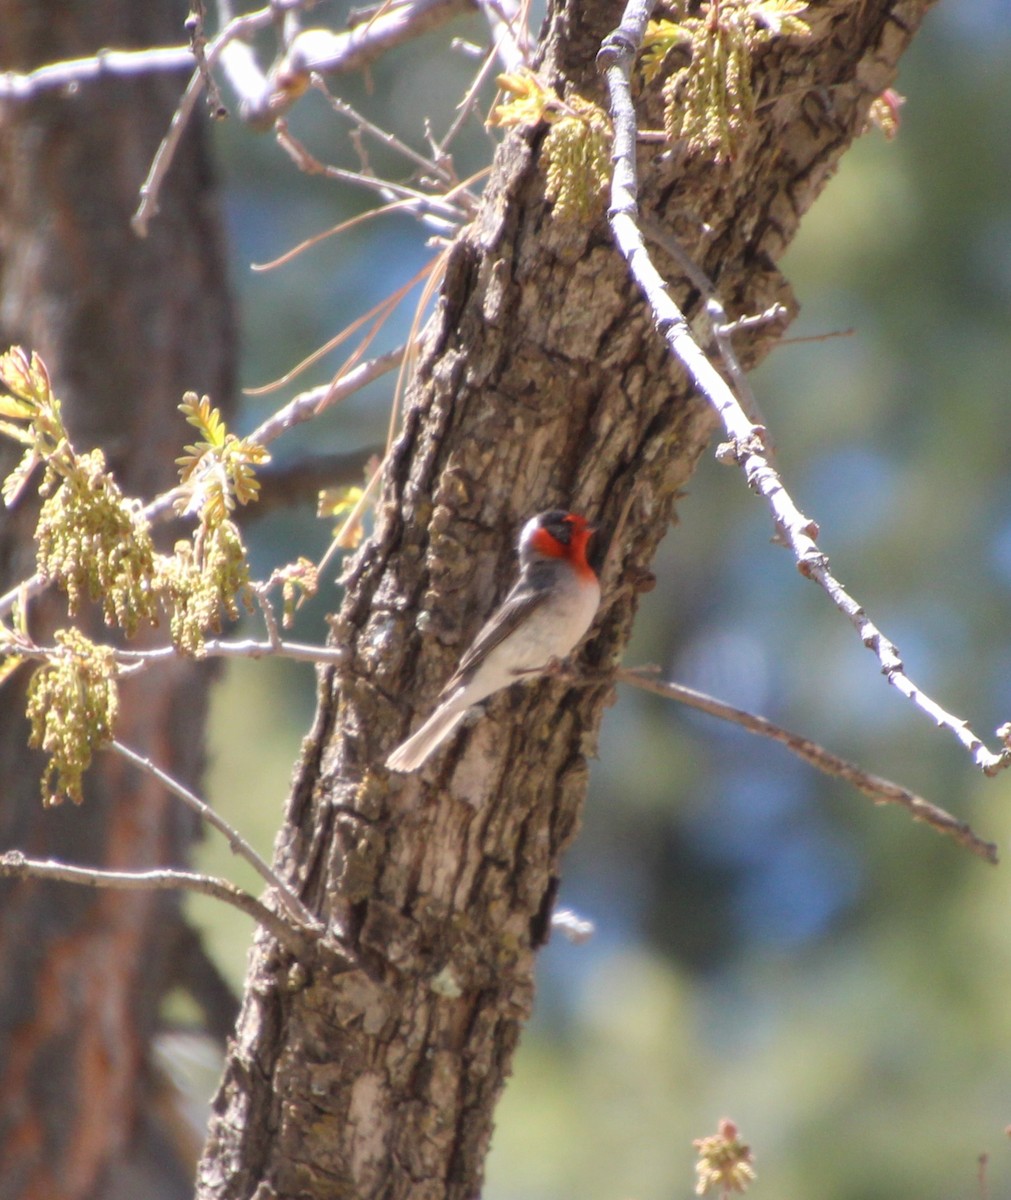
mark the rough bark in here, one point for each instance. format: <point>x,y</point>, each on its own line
<point>125,326</point>
<point>373,1070</point>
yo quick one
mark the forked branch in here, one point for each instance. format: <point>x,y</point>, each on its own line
<point>236,841</point>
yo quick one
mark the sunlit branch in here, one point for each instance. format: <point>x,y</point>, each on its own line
<point>747,445</point>
<point>19,87</point>
<point>329,53</point>
<point>265,97</point>
<point>309,404</point>
<point>240,648</point>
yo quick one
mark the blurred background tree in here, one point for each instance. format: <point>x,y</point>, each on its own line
<point>768,946</point>
<point>127,326</point>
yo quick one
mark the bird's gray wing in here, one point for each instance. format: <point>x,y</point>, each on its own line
<point>514,610</point>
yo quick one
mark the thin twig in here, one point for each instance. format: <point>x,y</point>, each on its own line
<point>362,218</point>
<point>817,337</point>
<point>195,23</point>
<point>270,618</point>
<point>237,843</point>
<point>747,446</point>
<point>881,791</point>
<point>722,330</point>
<point>465,107</point>
<point>390,140</point>
<point>308,405</point>
<point>16,865</point>
<point>244,648</point>
<point>378,315</point>
<point>241,27</point>
<point>423,201</point>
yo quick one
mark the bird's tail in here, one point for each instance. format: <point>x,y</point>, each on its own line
<point>419,746</point>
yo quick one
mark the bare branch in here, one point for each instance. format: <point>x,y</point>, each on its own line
<point>263,98</point>
<point>15,865</point>
<point>881,791</point>
<point>132,661</point>
<point>748,441</point>
<point>236,841</point>
<point>17,87</point>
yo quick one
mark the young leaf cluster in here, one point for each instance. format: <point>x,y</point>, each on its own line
<point>299,581</point>
<point>724,1162</point>
<point>72,701</point>
<point>209,576</point>
<point>710,101</point>
<point>96,544</point>
<point>203,579</point>
<point>576,148</point>
<point>91,541</point>
<point>219,470</point>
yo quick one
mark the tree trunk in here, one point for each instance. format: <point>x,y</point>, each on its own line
<point>373,1070</point>
<point>126,326</point>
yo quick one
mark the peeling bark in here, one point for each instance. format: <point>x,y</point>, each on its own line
<point>373,1070</point>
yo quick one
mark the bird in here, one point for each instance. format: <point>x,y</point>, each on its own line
<point>545,615</point>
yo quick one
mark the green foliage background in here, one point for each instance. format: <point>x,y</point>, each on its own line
<point>769,946</point>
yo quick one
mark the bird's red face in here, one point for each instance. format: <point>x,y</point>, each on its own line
<point>564,535</point>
